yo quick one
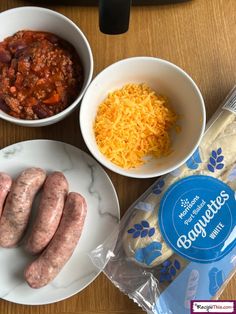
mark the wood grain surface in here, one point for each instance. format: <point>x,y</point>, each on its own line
<point>200,37</point>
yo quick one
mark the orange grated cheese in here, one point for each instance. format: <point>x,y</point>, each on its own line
<point>134,122</point>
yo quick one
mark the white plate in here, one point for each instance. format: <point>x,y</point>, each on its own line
<point>85,176</point>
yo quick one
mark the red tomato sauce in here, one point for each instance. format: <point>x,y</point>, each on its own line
<point>40,75</point>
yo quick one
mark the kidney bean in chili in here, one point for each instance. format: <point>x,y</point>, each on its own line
<point>40,75</point>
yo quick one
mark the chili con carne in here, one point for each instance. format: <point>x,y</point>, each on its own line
<point>40,74</point>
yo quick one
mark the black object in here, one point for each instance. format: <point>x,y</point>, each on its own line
<point>96,2</point>
<point>114,16</point>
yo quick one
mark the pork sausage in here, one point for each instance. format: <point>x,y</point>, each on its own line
<point>46,267</point>
<point>50,209</point>
<point>5,185</point>
<point>16,212</point>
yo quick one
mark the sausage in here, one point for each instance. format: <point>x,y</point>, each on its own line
<point>16,212</point>
<point>5,185</point>
<point>46,267</point>
<point>49,212</point>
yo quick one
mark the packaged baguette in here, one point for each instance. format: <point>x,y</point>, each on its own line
<point>176,243</point>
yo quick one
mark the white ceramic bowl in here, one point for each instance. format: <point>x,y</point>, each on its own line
<point>166,79</point>
<point>36,18</point>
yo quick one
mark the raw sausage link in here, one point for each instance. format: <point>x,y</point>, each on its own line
<point>5,185</point>
<point>16,212</point>
<point>49,212</point>
<point>45,268</point>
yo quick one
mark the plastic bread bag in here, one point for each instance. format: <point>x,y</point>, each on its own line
<point>176,243</point>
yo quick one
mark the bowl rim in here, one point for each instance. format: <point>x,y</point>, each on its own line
<point>125,172</point>
<point>72,106</point>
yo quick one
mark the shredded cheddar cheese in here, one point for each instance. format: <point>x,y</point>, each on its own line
<point>134,122</point>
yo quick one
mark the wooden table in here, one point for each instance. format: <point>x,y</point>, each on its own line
<point>199,36</point>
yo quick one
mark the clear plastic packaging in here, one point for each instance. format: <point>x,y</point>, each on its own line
<point>176,243</point>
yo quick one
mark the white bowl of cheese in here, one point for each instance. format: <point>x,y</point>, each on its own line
<point>123,122</point>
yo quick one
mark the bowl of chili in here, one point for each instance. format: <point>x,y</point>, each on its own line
<point>46,64</point>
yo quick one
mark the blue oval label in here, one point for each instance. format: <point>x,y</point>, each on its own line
<point>197,218</point>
